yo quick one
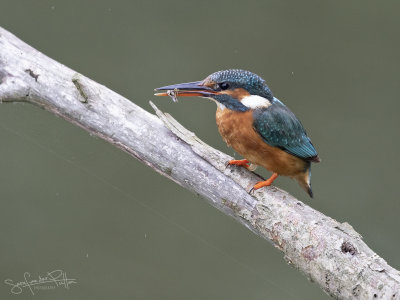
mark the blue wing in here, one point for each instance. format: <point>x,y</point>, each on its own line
<point>279,127</point>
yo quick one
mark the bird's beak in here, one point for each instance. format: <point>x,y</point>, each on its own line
<point>188,89</point>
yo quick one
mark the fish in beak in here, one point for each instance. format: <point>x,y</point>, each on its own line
<point>188,89</point>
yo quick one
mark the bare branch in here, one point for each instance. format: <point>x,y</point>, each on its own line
<point>330,253</point>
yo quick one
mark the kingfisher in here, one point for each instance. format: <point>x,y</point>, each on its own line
<point>255,124</point>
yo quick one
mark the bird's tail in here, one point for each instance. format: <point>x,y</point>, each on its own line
<point>304,179</point>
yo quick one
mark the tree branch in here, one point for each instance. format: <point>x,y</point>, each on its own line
<point>329,253</point>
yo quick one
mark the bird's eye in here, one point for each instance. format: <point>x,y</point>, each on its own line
<point>224,85</point>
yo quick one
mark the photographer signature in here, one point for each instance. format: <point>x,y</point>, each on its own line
<point>52,280</point>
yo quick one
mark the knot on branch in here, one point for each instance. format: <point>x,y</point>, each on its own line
<point>348,247</point>
<point>77,82</point>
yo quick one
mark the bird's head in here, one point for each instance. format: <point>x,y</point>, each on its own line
<point>234,89</point>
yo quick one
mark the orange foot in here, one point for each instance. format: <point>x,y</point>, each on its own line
<point>267,182</point>
<point>242,162</point>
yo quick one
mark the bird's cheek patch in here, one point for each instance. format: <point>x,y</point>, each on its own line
<point>255,101</point>
<point>238,93</point>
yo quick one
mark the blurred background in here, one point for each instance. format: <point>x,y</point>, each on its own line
<point>73,202</point>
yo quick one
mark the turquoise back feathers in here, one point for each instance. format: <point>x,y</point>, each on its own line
<point>279,127</point>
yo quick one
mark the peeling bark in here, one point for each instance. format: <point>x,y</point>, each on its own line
<point>330,253</point>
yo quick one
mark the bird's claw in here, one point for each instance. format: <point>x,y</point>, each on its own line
<point>242,163</point>
<point>257,186</point>
<point>261,184</point>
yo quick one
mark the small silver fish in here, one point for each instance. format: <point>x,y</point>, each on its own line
<point>173,94</point>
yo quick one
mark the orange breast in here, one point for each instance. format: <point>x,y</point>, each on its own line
<point>236,128</point>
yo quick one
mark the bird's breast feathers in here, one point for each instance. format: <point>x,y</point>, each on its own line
<point>236,128</point>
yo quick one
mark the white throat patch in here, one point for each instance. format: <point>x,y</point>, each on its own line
<point>255,101</point>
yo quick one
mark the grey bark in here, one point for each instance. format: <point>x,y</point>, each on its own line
<point>330,253</point>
